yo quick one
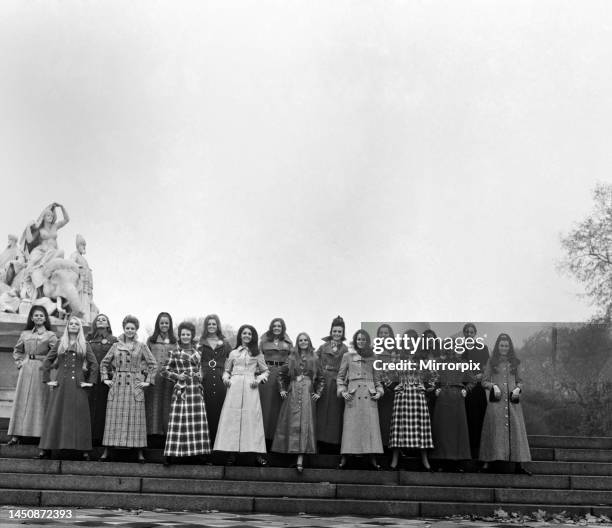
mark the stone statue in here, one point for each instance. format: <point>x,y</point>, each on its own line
<point>12,261</point>
<point>36,272</point>
<point>40,241</point>
<point>85,278</point>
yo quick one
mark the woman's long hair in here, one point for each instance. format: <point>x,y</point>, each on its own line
<point>64,342</point>
<point>208,318</point>
<point>97,332</point>
<point>171,337</point>
<point>269,335</point>
<point>388,327</point>
<point>295,356</point>
<point>511,356</point>
<point>36,307</point>
<point>252,346</point>
<point>366,351</point>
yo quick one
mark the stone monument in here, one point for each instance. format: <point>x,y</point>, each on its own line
<point>34,271</point>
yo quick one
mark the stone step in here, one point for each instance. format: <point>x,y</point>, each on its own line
<point>288,505</point>
<point>152,478</point>
<point>570,468</point>
<point>549,475</point>
<point>582,455</point>
<point>571,442</point>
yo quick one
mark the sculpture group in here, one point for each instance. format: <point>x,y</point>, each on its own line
<point>33,270</point>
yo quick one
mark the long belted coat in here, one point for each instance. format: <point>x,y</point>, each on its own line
<point>126,363</point>
<point>213,365</point>
<point>301,377</point>
<point>361,427</point>
<point>275,353</point>
<point>330,408</point>
<point>241,422</point>
<point>67,420</point>
<point>31,394</point>
<point>504,436</point>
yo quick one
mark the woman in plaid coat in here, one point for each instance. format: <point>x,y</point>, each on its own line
<point>131,366</point>
<point>187,427</point>
<point>410,423</point>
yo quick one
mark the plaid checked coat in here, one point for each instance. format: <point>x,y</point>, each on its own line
<point>187,427</point>
<point>410,424</point>
<point>127,364</point>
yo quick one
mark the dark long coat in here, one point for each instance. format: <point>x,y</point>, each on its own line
<point>98,394</point>
<point>275,354</point>
<point>213,362</point>
<point>126,423</point>
<point>67,421</point>
<point>330,408</point>
<point>158,396</point>
<point>476,400</point>
<point>385,404</point>
<point>296,427</point>
<point>450,430</point>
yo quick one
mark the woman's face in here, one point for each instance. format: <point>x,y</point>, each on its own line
<point>277,328</point>
<point>360,341</point>
<point>504,347</point>
<point>73,326</point>
<point>38,318</point>
<point>186,336</point>
<point>164,324</point>
<point>246,336</point>
<point>130,330</point>
<point>384,332</point>
<point>470,331</point>
<point>303,343</point>
<point>211,327</point>
<point>336,333</point>
<point>49,216</point>
<point>101,321</point>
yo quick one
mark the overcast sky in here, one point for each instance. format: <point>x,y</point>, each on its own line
<point>382,160</point>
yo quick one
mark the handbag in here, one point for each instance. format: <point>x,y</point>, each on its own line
<point>492,397</point>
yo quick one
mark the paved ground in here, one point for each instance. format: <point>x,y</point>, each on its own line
<point>143,519</point>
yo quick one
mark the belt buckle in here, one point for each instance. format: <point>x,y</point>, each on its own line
<point>212,363</point>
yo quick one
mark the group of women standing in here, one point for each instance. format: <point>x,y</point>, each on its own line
<point>263,395</point>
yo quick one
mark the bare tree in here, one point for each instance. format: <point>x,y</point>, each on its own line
<point>588,250</point>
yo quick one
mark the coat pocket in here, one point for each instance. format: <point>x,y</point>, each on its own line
<point>138,394</point>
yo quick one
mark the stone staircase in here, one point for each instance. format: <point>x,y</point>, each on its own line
<point>570,474</point>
